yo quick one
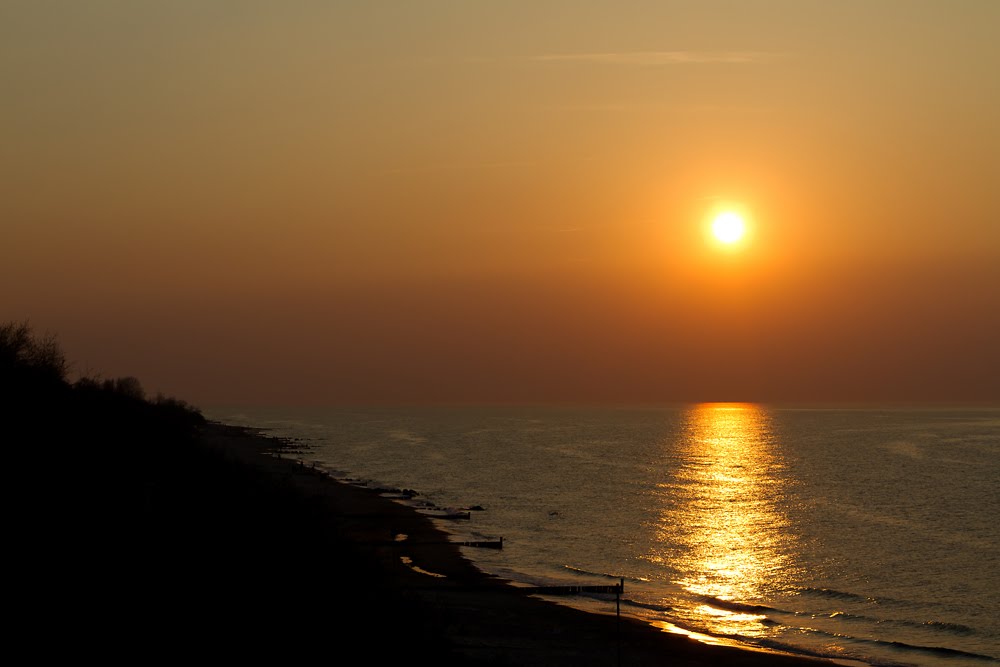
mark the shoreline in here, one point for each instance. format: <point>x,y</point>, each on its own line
<point>461,614</point>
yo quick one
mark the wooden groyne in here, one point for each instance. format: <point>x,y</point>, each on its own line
<point>616,589</point>
<point>482,544</point>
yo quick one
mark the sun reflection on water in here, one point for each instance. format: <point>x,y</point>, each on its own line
<point>722,504</point>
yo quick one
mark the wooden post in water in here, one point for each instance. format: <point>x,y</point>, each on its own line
<point>618,617</point>
<point>618,597</point>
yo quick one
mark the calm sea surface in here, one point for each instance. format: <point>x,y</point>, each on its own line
<point>871,535</point>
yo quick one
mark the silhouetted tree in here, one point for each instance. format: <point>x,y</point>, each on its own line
<point>25,358</point>
<point>33,385</point>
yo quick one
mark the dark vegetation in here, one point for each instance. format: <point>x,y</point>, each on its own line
<point>127,533</point>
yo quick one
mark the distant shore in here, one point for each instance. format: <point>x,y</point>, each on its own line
<point>428,601</point>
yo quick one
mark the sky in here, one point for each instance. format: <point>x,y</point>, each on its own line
<point>305,202</point>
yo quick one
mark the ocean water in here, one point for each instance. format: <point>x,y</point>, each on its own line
<point>870,535</point>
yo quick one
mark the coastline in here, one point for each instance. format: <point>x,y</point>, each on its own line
<point>438,604</point>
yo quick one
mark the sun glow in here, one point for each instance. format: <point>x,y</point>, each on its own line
<point>728,227</point>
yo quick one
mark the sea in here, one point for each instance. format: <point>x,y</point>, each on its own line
<point>866,535</point>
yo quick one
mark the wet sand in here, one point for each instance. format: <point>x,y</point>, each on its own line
<point>354,571</point>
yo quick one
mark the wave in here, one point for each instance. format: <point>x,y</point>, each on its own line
<point>943,651</point>
<point>840,595</point>
<point>731,605</point>
<point>941,626</point>
<point>648,606</point>
<point>956,628</point>
<point>895,645</point>
<point>939,650</point>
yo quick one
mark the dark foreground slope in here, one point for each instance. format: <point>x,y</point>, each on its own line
<point>136,531</point>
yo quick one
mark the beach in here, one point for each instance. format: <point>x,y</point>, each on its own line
<point>402,591</point>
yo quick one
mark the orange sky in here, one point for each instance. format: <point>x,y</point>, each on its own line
<point>307,202</point>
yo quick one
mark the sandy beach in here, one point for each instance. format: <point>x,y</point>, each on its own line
<point>397,590</point>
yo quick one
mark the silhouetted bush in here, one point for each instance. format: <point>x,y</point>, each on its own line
<point>180,409</point>
<point>28,360</point>
<point>131,387</point>
<point>128,386</point>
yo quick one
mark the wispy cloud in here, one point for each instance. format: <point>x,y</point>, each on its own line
<point>561,230</point>
<point>660,58</point>
<point>468,166</point>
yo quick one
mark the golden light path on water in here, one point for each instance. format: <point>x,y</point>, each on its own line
<point>723,506</point>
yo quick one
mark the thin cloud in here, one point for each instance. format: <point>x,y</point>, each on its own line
<point>469,166</point>
<point>660,58</point>
<point>561,230</point>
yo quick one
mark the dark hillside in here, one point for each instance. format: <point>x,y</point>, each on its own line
<point>127,531</point>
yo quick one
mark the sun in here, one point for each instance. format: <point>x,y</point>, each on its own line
<point>728,227</point>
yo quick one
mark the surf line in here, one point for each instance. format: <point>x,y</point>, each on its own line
<point>408,562</point>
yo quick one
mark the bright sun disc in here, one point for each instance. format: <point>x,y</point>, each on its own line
<point>728,227</point>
